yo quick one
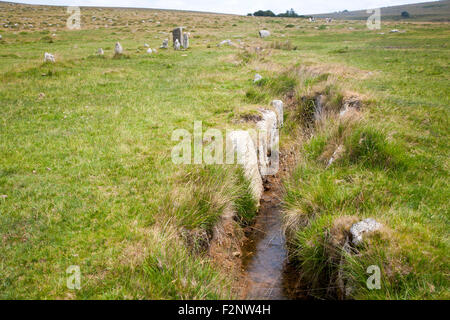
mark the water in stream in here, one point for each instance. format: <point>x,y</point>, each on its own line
<point>265,256</point>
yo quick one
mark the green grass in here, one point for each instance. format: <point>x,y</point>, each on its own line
<point>89,181</point>
<point>388,171</point>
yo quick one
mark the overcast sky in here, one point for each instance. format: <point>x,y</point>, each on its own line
<point>236,6</point>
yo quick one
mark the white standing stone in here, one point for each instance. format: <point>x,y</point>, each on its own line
<point>241,143</point>
<point>257,78</point>
<point>149,50</point>
<point>100,52</point>
<point>264,33</point>
<point>118,48</point>
<point>165,44</point>
<point>268,143</point>
<point>176,45</point>
<point>48,57</point>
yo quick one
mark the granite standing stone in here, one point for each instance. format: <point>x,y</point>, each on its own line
<point>118,48</point>
<point>177,34</point>
<point>165,44</point>
<point>176,45</point>
<point>185,42</point>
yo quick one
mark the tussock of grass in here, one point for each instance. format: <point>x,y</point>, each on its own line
<point>205,192</point>
<point>370,148</point>
<point>268,88</point>
<point>170,271</point>
<point>283,45</point>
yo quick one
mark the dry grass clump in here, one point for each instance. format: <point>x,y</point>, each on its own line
<point>282,45</point>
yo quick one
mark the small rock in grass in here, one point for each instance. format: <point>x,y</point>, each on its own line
<point>257,78</point>
<point>394,31</point>
<point>48,57</point>
<point>228,42</point>
<point>100,52</point>
<point>149,50</point>
<point>264,33</point>
<point>360,228</point>
<point>146,45</point>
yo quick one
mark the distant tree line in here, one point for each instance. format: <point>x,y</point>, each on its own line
<point>268,13</point>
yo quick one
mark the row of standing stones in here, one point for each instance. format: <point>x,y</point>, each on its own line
<point>180,40</point>
<point>256,160</point>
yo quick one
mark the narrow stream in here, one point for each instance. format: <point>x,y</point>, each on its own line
<point>265,256</point>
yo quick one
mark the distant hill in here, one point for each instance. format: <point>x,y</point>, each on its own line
<point>425,11</point>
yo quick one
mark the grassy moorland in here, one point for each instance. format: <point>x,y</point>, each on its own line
<point>86,176</point>
<point>424,11</point>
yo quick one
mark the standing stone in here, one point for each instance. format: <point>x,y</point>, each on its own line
<point>177,34</point>
<point>278,106</point>
<point>241,143</point>
<point>48,57</point>
<point>176,45</point>
<point>264,33</point>
<point>185,42</point>
<point>118,48</point>
<point>149,50</point>
<point>268,143</point>
<point>100,51</point>
<point>165,44</point>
